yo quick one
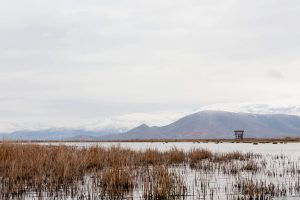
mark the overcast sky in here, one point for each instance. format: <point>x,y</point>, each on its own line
<point>64,61</point>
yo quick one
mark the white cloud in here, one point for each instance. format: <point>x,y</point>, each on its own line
<point>67,62</point>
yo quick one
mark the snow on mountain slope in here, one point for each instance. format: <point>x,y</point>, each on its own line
<point>220,124</point>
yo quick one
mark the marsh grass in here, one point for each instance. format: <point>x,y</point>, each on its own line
<point>116,173</point>
<point>162,183</point>
<point>116,182</point>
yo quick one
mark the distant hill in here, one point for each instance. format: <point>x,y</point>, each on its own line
<point>53,134</point>
<point>218,124</point>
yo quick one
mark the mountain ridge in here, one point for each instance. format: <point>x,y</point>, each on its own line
<point>220,124</point>
<point>204,124</point>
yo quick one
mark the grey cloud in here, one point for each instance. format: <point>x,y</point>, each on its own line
<point>275,74</point>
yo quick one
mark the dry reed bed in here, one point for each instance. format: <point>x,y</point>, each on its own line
<point>118,173</point>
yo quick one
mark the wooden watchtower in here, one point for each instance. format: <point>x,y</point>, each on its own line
<point>239,134</point>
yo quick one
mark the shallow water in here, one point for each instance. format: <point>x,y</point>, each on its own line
<point>292,149</point>
<point>279,168</point>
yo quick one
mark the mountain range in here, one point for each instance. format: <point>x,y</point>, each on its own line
<point>218,124</point>
<point>203,124</point>
<point>53,134</point>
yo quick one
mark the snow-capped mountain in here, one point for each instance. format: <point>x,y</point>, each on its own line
<point>92,129</point>
<point>219,124</point>
<point>124,123</point>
